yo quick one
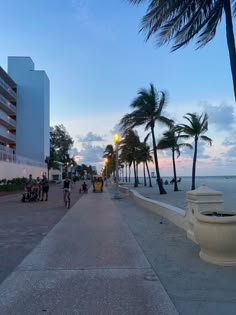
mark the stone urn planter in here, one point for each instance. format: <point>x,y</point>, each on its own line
<point>215,231</point>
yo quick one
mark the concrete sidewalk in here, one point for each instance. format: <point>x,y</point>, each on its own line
<point>90,263</point>
<point>194,286</point>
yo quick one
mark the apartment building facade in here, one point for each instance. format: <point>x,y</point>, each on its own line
<point>32,123</point>
<point>24,115</point>
<point>8,112</point>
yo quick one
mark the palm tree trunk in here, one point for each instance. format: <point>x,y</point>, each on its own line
<point>135,175</point>
<point>125,172</point>
<point>129,172</point>
<point>194,163</point>
<point>230,41</point>
<point>144,175</point>
<point>149,177</point>
<point>174,170</point>
<point>160,185</point>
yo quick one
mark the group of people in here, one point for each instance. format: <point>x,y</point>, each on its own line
<point>171,181</point>
<point>39,187</point>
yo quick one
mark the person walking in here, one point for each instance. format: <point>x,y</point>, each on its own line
<point>45,188</point>
<point>39,183</point>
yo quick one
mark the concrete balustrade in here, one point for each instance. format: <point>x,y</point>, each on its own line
<point>173,214</point>
<point>204,220</point>
<point>199,200</point>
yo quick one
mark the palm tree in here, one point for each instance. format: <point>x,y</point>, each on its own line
<point>148,107</point>
<point>198,126</point>
<point>181,21</point>
<point>170,141</point>
<point>145,157</point>
<point>109,153</point>
<point>129,149</point>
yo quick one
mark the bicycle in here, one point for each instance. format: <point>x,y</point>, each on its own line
<point>67,198</point>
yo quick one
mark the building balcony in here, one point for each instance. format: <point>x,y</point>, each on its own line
<point>7,121</point>
<point>7,136</point>
<point>6,106</point>
<point>7,88</point>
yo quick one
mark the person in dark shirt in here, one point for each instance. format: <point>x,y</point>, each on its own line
<point>66,187</point>
<point>84,187</point>
<point>45,187</point>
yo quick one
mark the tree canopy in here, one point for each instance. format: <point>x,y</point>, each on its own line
<point>60,143</point>
<point>180,21</point>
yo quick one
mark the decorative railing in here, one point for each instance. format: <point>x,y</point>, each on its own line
<point>4,101</point>
<point>7,134</point>
<point>7,88</point>
<point>8,155</point>
<point>7,118</point>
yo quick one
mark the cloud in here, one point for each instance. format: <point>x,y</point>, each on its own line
<point>73,152</point>
<point>115,129</point>
<point>81,11</point>
<point>91,154</point>
<point>231,152</point>
<point>90,137</point>
<point>221,116</point>
<point>200,150</point>
<point>83,14</point>
<point>229,141</point>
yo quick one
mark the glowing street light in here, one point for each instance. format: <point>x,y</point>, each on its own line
<point>116,140</point>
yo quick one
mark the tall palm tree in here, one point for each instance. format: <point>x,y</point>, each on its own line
<point>181,21</point>
<point>109,153</point>
<point>129,148</point>
<point>170,141</point>
<point>148,107</point>
<point>198,126</point>
<point>146,157</point>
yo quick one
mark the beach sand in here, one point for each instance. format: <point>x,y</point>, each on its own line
<point>178,199</point>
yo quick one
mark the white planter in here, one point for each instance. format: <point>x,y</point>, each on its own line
<point>216,236</point>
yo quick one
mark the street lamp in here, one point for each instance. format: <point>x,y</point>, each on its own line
<point>116,140</point>
<point>106,162</point>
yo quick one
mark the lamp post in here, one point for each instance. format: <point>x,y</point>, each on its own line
<point>106,162</point>
<point>116,140</point>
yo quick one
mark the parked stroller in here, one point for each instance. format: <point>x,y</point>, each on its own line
<point>30,195</point>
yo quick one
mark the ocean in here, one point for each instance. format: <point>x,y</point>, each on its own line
<point>225,184</point>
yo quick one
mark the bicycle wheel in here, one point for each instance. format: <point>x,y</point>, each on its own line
<point>67,202</point>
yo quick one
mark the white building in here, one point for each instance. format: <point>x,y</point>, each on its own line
<point>32,123</point>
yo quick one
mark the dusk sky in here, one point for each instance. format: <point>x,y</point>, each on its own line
<point>97,61</point>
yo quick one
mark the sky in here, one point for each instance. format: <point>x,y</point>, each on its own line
<point>97,61</point>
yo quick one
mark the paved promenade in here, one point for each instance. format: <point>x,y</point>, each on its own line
<point>24,225</point>
<point>90,263</point>
<point>109,256</point>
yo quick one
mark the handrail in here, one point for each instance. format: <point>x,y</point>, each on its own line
<point>7,87</point>
<point>8,155</point>
<point>7,118</point>
<point>8,104</point>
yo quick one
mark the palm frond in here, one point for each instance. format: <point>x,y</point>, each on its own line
<point>165,121</point>
<point>136,1</point>
<point>206,139</point>
<point>180,21</point>
<point>177,150</point>
<point>186,145</point>
<point>234,8</point>
<point>147,137</point>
